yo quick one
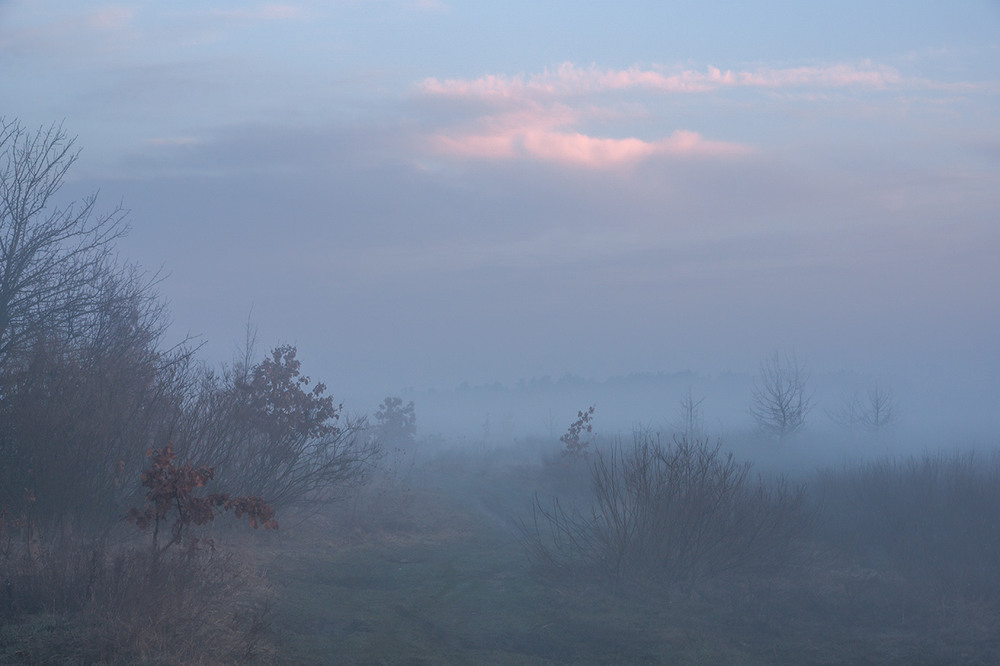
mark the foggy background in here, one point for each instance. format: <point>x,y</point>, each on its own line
<point>511,214</point>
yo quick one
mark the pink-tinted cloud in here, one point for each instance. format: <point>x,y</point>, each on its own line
<point>834,76</point>
<point>470,145</point>
<point>550,144</point>
<point>568,79</point>
<point>540,118</point>
<point>580,149</point>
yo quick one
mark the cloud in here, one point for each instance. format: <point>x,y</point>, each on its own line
<point>152,32</point>
<point>545,116</point>
<point>568,79</point>
<point>576,148</point>
<point>542,118</point>
<point>831,76</point>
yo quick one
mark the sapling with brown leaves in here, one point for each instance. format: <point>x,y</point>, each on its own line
<point>171,489</point>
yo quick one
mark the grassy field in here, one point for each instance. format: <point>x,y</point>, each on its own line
<point>433,571</point>
<point>436,574</point>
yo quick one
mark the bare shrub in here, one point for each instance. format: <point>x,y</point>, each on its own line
<point>668,513</point>
<point>689,420</point>
<point>83,381</point>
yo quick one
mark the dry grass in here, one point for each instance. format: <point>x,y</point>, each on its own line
<point>430,572</point>
<point>88,602</point>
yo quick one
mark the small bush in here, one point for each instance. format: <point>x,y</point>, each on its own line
<point>577,437</point>
<point>171,492</point>
<point>668,514</point>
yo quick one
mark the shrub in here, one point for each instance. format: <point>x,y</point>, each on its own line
<point>85,387</point>
<point>162,605</point>
<point>268,434</point>
<point>781,399</point>
<point>576,439</point>
<point>668,514</point>
<point>171,490</point>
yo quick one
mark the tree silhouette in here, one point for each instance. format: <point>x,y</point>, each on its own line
<point>269,432</point>
<point>396,423</point>
<point>780,400</point>
<point>53,260</point>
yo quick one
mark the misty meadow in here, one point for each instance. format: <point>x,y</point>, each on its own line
<point>428,332</point>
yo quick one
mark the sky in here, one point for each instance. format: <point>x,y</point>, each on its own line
<point>422,193</point>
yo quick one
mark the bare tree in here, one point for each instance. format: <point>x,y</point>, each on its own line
<point>875,411</point>
<point>780,399</point>
<point>879,408</point>
<point>688,419</point>
<point>85,386</point>
<point>53,259</point>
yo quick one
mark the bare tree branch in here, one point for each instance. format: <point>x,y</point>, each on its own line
<point>53,259</point>
<point>780,400</point>
<point>874,412</point>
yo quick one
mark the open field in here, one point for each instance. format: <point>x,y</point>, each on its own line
<point>437,574</point>
<point>433,570</point>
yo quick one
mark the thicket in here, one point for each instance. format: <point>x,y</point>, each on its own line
<point>269,432</point>
<point>668,514</point>
<point>91,395</point>
<point>88,386</point>
<point>78,410</point>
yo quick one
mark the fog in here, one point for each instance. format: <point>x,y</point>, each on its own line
<point>496,415</point>
<point>383,259</point>
<point>391,279</point>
